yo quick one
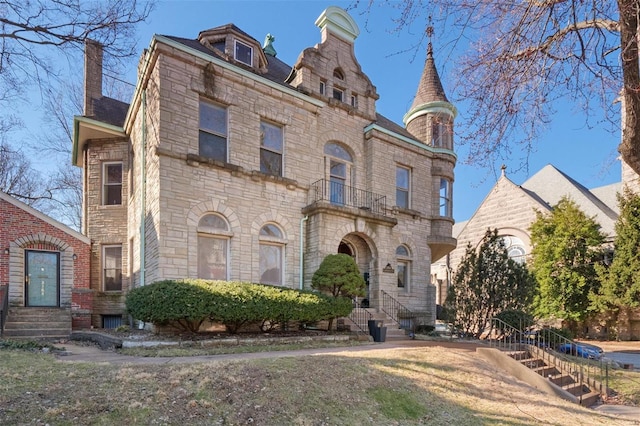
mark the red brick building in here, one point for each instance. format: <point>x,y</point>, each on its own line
<point>44,267</point>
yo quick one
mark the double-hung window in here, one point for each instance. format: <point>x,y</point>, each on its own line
<point>445,197</point>
<point>112,184</point>
<point>212,142</point>
<point>271,143</point>
<point>112,267</point>
<point>272,245</point>
<point>213,248</point>
<point>403,266</point>
<point>403,175</point>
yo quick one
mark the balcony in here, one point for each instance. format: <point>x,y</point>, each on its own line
<point>340,195</point>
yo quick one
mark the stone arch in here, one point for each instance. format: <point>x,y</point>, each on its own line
<point>40,241</point>
<point>276,218</point>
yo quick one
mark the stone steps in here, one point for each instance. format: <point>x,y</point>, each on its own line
<point>37,323</point>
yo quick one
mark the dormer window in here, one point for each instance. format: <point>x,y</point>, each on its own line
<point>243,53</point>
<point>338,94</point>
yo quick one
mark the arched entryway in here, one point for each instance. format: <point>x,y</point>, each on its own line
<point>362,252</point>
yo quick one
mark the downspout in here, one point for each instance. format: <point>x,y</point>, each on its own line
<point>143,188</point>
<point>302,221</point>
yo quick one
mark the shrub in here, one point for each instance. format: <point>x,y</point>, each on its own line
<point>184,304</point>
<point>187,303</point>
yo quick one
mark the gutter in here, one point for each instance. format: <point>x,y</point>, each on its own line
<point>302,221</point>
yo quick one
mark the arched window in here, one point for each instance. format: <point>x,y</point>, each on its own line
<point>403,266</point>
<point>337,73</point>
<point>340,162</point>
<point>272,243</point>
<point>213,247</point>
<point>515,248</point>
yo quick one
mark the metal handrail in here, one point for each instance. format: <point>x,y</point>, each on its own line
<point>360,317</point>
<point>592,373</point>
<point>344,195</point>
<point>399,313</point>
<point>4,306</point>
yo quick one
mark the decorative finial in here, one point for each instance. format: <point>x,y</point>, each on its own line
<point>504,169</point>
<point>267,47</point>
<point>430,35</point>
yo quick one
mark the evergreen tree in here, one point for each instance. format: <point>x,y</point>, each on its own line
<point>621,280</point>
<point>566,247</point>
<point>486,283</point>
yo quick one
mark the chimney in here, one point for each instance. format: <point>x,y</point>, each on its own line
<point>92,75</point>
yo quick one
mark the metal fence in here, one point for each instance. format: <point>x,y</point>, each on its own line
<point>343,195</point>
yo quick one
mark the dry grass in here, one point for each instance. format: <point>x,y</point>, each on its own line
<point>408,386</point>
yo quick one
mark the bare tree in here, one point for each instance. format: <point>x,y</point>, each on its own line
<point>17,177</point>
<point>35,38</point>
<point>526,56</point>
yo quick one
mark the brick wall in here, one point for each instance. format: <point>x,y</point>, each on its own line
<point>20,229</point>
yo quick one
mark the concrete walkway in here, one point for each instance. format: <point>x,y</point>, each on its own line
<point>90,353</point>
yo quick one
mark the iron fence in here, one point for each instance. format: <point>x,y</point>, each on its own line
<point>343,195</point>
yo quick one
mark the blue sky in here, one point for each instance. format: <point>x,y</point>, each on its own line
<point>394,67</point>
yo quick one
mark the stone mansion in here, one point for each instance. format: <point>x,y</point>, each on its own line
<point>230,164</point>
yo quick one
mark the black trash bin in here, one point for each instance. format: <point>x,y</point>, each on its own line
<point>377,331</point>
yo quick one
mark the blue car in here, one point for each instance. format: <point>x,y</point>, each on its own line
<point>581,350</point>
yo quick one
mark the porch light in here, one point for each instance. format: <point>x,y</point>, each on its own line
<point>6,251</point>
<point>74,257</point>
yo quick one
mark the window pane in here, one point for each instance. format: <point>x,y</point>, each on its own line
<point>212,146</point>
<point>212,222</point>
<point>338,169</point>
<point>212,258</point>
<point>402,177</point>
<point>113,195</point>
<point>114,173</point>
<point>402,274</point>
<point>270,230</point>
<point>243,53</point>
<point>270,163</point>
<point>112,266</point>
<point>337,94</point>
<point>337,151</point>
<point>402,251</point>
<point>213,118</point>
<point>270,264</point>
<point>445,200</point>
<point>336,190</point>
<point>271,137</point>
<point>402,198</point>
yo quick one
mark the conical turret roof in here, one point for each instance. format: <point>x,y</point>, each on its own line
<point>430,87</point>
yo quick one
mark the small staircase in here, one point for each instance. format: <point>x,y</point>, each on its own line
<point>585,391</point>
<point>37,323</point>
<point>360,323</point>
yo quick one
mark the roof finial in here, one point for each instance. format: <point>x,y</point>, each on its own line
<point>504,169</point>
<point>430,35</point>
<point>267,47</point>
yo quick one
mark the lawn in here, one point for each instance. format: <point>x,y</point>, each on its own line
<point>408,386</point>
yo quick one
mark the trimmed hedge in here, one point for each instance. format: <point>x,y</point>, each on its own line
<point>188,303</point>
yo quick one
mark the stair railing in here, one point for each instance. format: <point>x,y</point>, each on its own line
<point>360,317</point>
<point>4,306</point>
<point>545,344</point>
<point>400,314</point>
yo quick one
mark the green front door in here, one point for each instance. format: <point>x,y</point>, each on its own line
<point>42,278</point>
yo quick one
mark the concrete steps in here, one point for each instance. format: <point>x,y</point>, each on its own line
<point>38,323</point>
<point>584,394</point>
<point>393,329</point>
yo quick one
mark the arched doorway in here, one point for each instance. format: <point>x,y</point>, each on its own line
<point>361,250</point>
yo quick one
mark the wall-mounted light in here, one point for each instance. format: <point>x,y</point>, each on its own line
<point>74,257</point>
<point>388,268</point>
<point>6,251</point>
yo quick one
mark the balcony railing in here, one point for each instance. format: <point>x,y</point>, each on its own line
<point>348,196</point>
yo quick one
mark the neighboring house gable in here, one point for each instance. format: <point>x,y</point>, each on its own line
<point>62,280</point>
